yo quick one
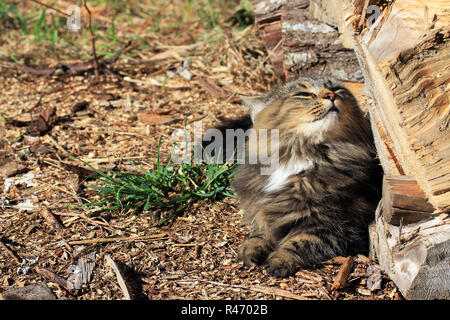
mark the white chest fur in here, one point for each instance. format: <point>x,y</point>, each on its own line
<point>279,176</point>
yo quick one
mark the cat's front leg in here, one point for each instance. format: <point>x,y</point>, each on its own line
<point>302,250</point>
<point>255,250</point>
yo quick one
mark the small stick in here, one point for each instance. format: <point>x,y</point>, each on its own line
<point>261,289</point>
<point>174,237</point>
<point>8,251</point>
<point>94,51</point>
<point>363,13</point>
<point>50,7</point>
<point>56,144</point>
<point>132,238</point>
<point>344,271</point>
<point>309,276</point>
<point>51,220</point>
<point>185,245</point>
<point>119,277</point>
<point>261,64</point>
<point>278,292</point>
<point>90,220</point>
<point>325,293</point>
<point>53,277</point>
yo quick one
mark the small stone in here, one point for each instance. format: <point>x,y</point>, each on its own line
<point>38,291</point>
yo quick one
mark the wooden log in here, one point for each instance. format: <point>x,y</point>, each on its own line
<point>268,18</point>
<point>404,57</point>
<point>313,47</point>
<point>300,45</point>
<point>403,25</point>
<point>416,256</point>
<point>403,201</point>
<point>418,114</point>
<point>335,14</point>
<point>383,143</point>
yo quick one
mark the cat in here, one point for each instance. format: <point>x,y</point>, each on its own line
<point>318,199</point>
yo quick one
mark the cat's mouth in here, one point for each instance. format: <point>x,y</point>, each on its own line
<point>333,109</point>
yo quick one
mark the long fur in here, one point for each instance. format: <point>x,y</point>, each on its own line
<point>320,198</point>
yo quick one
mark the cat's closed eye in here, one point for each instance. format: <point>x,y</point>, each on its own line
<point>305,95</point>
<point>338,90</point>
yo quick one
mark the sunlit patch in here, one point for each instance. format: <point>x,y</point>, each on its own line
<point>278,178</point>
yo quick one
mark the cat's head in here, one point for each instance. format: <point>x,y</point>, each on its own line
<point>317,109</point>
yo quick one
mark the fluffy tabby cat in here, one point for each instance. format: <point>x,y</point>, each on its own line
<point>319,199</point>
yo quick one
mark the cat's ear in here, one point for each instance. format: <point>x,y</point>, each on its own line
<point>253,104</point>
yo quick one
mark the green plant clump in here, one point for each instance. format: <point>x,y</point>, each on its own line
<point>172,187</point>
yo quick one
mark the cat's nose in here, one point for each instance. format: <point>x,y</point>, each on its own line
<point>330,96</point>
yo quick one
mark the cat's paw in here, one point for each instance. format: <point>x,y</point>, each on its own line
<point>280,265</point>
<point>254,251</point>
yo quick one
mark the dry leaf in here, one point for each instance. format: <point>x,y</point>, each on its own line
<point>44,122</point>
<point>154,117</point>
<point>11,168</point>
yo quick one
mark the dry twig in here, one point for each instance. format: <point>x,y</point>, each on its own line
<point>260,289</point>
<point>53,277</point>
<point>50,7</point>
<point>9,252</point>
<point>363,14</point>
<point>94,51</point>
<point>159,236</point>
<point>51,220</point>
<point>119,277</point>
<point>344,271</point>
<point>277,292</point>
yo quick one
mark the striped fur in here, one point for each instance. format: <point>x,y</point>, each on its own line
<point>321,206</point>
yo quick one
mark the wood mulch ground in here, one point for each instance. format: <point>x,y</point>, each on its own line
<point>103,122</point>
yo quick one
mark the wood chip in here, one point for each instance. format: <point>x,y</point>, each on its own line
<point>212,88</point>
<point>158,236</point>
<point>154,117</point>
<point>119,277</point>
<point>375,278</point>
<point>44,122</point>
<point>364,292</point>
<point>51,220</point>
<point>324,293</point>
<point>278,292</point>
<point>81,271</point>
<point>341,279</point>
<point>9,252</point>
<point>11,168</point>
<point>53,277</point>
